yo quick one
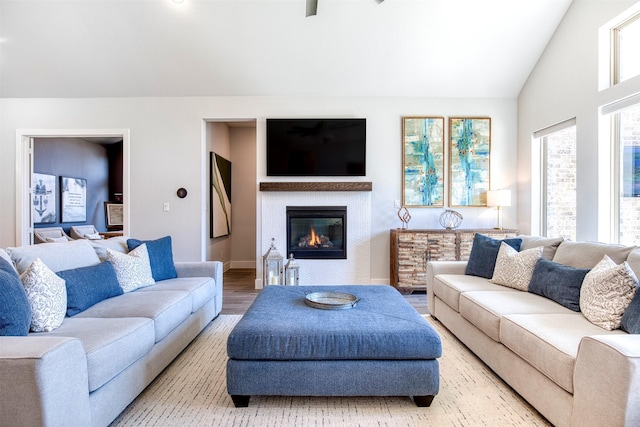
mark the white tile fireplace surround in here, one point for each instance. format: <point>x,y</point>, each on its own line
<point>353,270</point>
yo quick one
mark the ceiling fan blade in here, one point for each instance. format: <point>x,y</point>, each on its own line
<point>312,7</point>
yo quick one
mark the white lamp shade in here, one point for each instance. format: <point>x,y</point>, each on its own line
<point>499,198</point>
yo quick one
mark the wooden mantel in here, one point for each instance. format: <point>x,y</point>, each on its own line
<point>316,186</point>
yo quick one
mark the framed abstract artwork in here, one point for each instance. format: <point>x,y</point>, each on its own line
<point>423,161</point>
<point>469,150</point>
<point>44,198</point>
<point>113,215</point>
<point>220,196</point>
<point>74,199</point>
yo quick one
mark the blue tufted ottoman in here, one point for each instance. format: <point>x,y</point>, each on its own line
<point>381,347</point>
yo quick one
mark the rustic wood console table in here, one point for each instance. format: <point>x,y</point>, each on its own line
<point>412,249</point>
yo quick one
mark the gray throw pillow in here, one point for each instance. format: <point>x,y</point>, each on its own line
<point>631,316</point>
<point>558,282</point>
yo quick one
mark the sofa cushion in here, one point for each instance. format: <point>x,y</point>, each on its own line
<point>118,244</point>
<point>630,321</point>
<point>47,297</point>
<point>57,256</point>
<point>133,269</point>
<point>606,293</point>
<point>549,244</point>
<point>111,345</point>
<point>167,309</point>
<point>588,254</point>
<point>514,269</point>
<point>448,287</point>
<point>558,282</point>
<point>161,256</point>
<point>484,252</point>
<point>5,256</point>
<point>201,289</point>
<point>15,313</point>
<point>550,349</point>
<point>87,286</point>
<point>485,308</point>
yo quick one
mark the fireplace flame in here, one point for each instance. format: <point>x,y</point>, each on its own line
<point>315,240</point>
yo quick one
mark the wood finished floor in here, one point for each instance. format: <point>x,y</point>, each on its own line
<point>239,292</point>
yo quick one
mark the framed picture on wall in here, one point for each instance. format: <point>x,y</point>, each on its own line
<point>113,215</point>
<point>220,196</point>
<point>423,161</point>
<point>73,193</point>
<point>469,150</point>
<point>44,198</point>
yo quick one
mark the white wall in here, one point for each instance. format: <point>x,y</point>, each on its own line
<point>169,150</point>
<point>564,85</point>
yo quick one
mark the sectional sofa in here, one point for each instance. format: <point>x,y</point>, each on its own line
<point>574,372</point>
<point>86,371</point>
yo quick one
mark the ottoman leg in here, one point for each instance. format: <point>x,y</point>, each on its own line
<point>240,401</point>
<point>421,401</point>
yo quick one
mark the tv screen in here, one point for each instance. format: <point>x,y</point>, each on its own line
<point>316,147</point>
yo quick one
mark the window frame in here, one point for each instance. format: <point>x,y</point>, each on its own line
<point>615,48</point>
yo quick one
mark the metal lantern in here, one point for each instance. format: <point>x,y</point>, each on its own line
<point>272,266</point>
<point>291,272</point>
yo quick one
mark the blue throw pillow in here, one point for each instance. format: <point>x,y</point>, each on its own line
<point>484,252</point>
<point>558,282</point>
<point>15,312</point>
<point>87,286</point>
<point>631,316</point>
<point>160,257</point>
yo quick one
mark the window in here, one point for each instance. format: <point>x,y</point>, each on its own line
<point>558,172</point>
<point>626,40</point>
<point>626,139</point>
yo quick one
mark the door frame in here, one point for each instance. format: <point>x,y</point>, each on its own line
<point>24,173</point>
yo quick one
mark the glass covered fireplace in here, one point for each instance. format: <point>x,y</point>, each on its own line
<point>317,232</point>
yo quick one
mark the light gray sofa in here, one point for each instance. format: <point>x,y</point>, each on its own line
<point>88,370</point>
<point>572,371</point>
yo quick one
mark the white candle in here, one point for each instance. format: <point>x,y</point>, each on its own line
<point>292,281</point>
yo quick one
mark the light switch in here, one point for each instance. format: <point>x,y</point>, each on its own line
<point>165,208</point>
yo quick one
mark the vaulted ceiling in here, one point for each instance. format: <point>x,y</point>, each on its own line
<point>129,48</point>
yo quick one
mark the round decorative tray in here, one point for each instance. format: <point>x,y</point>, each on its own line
<point>331,300</point>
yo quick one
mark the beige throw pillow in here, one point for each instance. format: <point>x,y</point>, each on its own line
<point>607,291</point>
<point>47,295</point>
<point>513,268</point>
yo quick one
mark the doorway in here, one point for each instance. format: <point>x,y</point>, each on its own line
<point>24,172</point>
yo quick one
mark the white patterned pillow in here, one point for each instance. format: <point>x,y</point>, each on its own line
<point>513,268</point>
<point>56,240</point>
<point>47,295</point>
<point>93,236</point>
<point>133,270</point>
<point>607,291</point>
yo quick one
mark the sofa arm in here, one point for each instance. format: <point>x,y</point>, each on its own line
<point>441,267</point>
<point>204,269</point>
<point>606,381</point>
<point>43,381</point>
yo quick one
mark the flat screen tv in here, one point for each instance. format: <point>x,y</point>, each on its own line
<point>316,147</point>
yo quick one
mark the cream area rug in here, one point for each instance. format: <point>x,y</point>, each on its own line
<point>192,392</point>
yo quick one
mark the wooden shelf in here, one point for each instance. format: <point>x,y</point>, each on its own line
<point>316,186</point>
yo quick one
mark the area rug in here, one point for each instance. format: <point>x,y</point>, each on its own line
<point>192,392</point>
